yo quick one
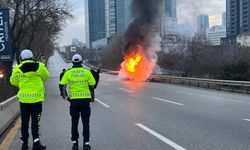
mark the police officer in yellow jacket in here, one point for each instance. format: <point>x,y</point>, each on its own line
<point>28,76</point>
<point>79,80</point>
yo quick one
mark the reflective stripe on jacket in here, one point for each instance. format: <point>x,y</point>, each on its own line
<point>79,80</point>
<point>28,76</point>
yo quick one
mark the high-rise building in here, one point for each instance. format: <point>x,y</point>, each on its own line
<point>117,16</point>
<point>123,14</point>
<point>233,18</point>
<point>224,19</point>
<point>168,18</point>
<point>96,20</point>
<point>202,22</point>
<point>215,33</point>
<point>238,20</point>
<point>106,18</point>
<point>244,16</point>
<point>110,18</point>
<point>170,8</point>
<point>86,4</point>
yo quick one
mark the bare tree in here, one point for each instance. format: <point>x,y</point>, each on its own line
<point>35,24</point>
<point>196,45</point>
<point>36,19</point>
<point>112,56</point>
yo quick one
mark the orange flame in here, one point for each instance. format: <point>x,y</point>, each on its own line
<point>136,66</point>
<point>132,63</point>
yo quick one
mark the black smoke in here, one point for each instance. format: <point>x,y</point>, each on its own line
<point>146,14</point>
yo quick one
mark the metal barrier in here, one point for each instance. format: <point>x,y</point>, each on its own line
<point>227,85</point>
<point>9,110</point>
<point>110,72</point>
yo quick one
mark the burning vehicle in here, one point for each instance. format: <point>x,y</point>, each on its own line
<point>139,54</point>
<point>137,65</point>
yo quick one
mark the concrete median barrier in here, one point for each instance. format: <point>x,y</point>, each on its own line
<point>9,110</point>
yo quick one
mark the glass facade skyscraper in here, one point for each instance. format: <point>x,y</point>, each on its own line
<point>224,19</point>
<point>117,16</point>
<point>170,8</point>
<point>233,19</point>
<point>110,17</point>
<point>238,20</point>
<point>168,19</point>
<point>123,13</point>
<point>244,16</point>
<point>96,20</point>
<point>202,22</point>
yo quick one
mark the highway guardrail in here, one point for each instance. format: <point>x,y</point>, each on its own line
<point>226,85</point>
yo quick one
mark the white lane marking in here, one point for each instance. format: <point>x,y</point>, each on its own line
<point>99,101</point>
<point>105,83</point>
<point>231,100</point>
<point>219,98</point>
<point>169,90</point>
<point>156,98</point>
<point>180,92</point>
<point>224,99</point>
<point>190,93</point>
<point>203,95</point>
<point>247,120</point>
<point>126,90</point>
<point>237,101</point>
<point>162,138</point>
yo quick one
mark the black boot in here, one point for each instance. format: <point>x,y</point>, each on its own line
<point>38,146</point>
<point>86,146</point>
<point>25,146</point>
<point>75,146</point>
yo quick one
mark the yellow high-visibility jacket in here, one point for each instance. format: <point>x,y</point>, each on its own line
<point>79,80</point>
<point>28,76</point>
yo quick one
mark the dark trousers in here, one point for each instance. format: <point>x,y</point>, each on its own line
<point>60,88</point>
<point>34,111</point>
<point>92,91</point>
<point>80,107</point>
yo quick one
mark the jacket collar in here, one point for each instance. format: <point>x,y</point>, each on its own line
<point>77,65</point>
<point>27,60</point>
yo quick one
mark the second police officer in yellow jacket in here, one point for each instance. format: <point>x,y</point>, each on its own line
<point>79,80</point>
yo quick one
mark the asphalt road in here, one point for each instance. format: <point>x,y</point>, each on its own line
<point>148,116</point>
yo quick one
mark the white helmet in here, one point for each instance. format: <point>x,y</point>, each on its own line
<point>26,54</point>
<point>77,58</point>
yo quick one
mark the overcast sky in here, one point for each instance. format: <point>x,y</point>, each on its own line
<point>75,28</point>
<point>187,11</point>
